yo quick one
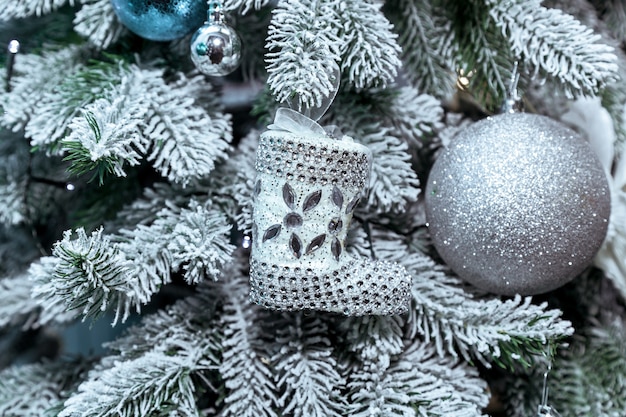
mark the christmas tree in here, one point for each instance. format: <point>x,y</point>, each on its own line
<point>133,269</point>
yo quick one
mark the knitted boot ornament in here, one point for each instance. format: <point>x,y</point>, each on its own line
<point>307,187</point>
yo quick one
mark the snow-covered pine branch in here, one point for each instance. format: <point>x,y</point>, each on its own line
<point>412,116</point>
<point>42,275</point>
<point>304,50</point>
<point>157,381</point>
<point>482,51</point>
<point>193,240</point>
<point>19,9</point>
<point>370,52</point>
<point>307,373</point>
<point>12,207</point>
<point>14,161</point>
<point>38,389</point>
<point>157,364</point>
<point>95,273</point>
<point>34,83</point>
<point>187,140</point>
<point>373,388</point>
<point>245,6</point>
<point>193,314</point>
<point>556,45</point>
<point>17,307</point>
<point>106,137</point>
<point>97,21</point>
<point>235,181</point>
<point>90,276</point>
<point>428,47</point>
<point>199,243</point>
<point>505,332</point>
<point>440,386</point>
<point>139,115</point>
<point>393,182</point>
<point>245,371</point>
<point>586,379</point>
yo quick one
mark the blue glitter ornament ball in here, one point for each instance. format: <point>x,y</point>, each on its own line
<point>161,20</point>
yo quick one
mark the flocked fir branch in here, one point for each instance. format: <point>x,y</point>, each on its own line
<point>509,333</point>
<point>576,59</point>
<point>306,370</point>
<point>155,364</point>
<point>158,381</point>
<point>98,273</point>
<point>104,144</point>
<point>304,51</point>
<point>26,8</point>
<point>446,386</point>
<point>393,182</point>
<point>34,75</point>
<point>19,307</point>
<point>245,368</point>
<point>585,379</point>
<point>428,45</point>
<point>370,52</point>
<point>89,275</point>
<point>38,389</point>
<point>97,22</point>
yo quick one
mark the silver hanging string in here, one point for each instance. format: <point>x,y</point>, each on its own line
<point>513,101</point>
<point>13,48</point>
<point>544,410</point>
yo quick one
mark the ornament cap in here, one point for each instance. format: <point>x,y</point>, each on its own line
<point>215,14</point>
<point>513,101</point>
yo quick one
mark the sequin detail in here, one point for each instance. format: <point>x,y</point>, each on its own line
<point>357,288</point>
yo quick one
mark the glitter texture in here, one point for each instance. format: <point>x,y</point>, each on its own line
<point>161,20</point>
<point>305,193</point>
<point>518,204</point>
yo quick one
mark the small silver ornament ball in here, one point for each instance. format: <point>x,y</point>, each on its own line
<point>216,49</point>
<point>517,204</point>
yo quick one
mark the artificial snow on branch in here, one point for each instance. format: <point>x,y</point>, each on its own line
<point>370,52</point>
<point>200,243</point>
<point>106,137</point>
<point>585,380</point>
<point>246,374</point>
<point>428,47</point>
<point>374,389</point>
<point>25,8</point>
<point>306,371</point>
<point>157,381</point>
<point>155,363</point>
<point>393,182</point>
<point>97,21</point>
<point>235,181</point>
<point>90,275</point>
<point>508,333</point>
<point>18,307</point>
<point>187,140</point>
<point>555,44</point>
<point>38,389</point>
<point>303,51</point>
<point>12,207</point>
<point>245,6</point>
<point>443,386</point>
<point>33,89</point>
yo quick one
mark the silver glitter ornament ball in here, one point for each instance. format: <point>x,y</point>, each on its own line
<point>518,204</point>
<point>216,49</point>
